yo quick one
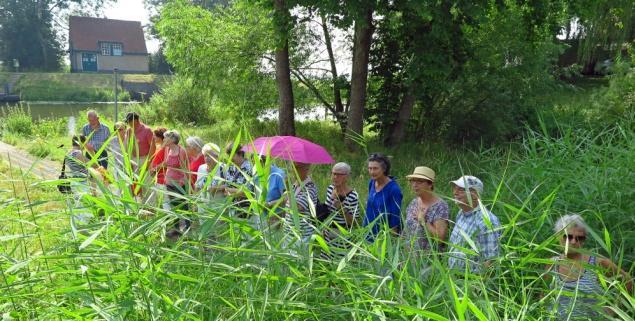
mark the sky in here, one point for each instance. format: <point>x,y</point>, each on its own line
<point>132,10</point>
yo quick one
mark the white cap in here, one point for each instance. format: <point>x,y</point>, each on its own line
<point>467,182</point>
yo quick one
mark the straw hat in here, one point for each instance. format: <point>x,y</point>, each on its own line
<point>422,172</point>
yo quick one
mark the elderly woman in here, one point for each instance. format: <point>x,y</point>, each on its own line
<point>343,204</point>
<point>427,214</point>
<point>158,171</point>
<point>383,207</point>
<point>574,273</point>
<point>305,196</point>
<point>194,148</point>
<point>175,164</point>
<point>211,175</point>
<point>237,175</point>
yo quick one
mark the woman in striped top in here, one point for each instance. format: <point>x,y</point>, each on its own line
<point>574,274</point>
<point>343,204</point>
<point>305,196</point>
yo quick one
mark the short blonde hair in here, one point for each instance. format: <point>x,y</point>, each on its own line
<point>568,221</point>
<point>211,149</point>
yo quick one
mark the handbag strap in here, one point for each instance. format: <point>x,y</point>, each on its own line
<point>64,166</point>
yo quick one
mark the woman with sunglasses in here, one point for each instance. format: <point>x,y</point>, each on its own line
<point>574,275</point>
<point>343,204</point>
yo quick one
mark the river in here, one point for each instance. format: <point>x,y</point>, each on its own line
<point>41,110</point>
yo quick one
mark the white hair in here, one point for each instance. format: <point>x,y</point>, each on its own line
<point>341,166</point>
<point>568,221</point>
<point>211,149</point>
<point>92,113</point>
<point>172,135</point>
<point>194,142</point>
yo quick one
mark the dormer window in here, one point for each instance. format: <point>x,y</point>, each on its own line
<point>111,49</point>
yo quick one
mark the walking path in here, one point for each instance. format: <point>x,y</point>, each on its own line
<point>39,167</point>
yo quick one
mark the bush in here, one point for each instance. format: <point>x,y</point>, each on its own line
<point>17,121</point>
<point>617,101</point>
<point>40,148</point>
<point>51,127</point>
<point>180,101</point>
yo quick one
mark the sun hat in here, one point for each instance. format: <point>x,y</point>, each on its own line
<point>422,172</point>
<point>467,182</point>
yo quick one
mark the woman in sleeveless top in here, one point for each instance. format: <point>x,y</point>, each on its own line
<point>574,275</point>
<point>176,179</point>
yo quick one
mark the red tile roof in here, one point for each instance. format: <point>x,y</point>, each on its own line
<point>86,32</point>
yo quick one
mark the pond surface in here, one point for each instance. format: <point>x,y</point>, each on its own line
<point>41,110</point>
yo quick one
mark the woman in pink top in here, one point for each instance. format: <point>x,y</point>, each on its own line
<point>176,178</point>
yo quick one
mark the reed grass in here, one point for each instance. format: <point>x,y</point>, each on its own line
<point>121,267</point>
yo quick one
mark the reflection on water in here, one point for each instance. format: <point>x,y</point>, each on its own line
<point>41,110</point>
<point>71,125</point>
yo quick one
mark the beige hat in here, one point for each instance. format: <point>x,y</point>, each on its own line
<point>422,172</point>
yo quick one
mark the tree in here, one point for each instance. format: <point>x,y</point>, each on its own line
<point>223,50</point>
<point>282,23</point>
<point>27,33</point>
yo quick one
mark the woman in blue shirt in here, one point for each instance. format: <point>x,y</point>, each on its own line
<point>383,206</point>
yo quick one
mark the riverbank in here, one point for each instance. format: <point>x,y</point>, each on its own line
<point>77,87</point>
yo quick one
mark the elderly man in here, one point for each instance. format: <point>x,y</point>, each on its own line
<point>474,225</point>
<point>97,134</point>
<point>143,145</point>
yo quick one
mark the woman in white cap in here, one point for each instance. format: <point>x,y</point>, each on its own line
<point>427,214</point>
<point>574,274</point>
<point>210,176</point>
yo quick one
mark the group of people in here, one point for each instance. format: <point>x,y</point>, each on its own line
<point>472,243</point>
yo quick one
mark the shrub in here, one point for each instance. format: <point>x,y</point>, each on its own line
<point>18,121</point>
<point>40,148</point>
<point>51,127</point>
<point>180,101</point>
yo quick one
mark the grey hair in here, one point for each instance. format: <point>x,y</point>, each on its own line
<point>194,142</point>
<point>172,135</point>
<point>92,112</point>
<point>341,166</point>
<point>568,221</point>
<point>211,149</point>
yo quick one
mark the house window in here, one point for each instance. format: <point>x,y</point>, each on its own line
<point>116,49</point>
<point>105,49</point>
<point>111,49</point>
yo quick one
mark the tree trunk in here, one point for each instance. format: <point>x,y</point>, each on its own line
<point>337,96</point>
<point>405,112</point>
<point>359,77</point>
<point>286,125</point>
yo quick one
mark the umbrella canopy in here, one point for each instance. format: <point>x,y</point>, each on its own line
<point>290,148</point>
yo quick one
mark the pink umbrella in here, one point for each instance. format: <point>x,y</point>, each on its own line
<point>290,148</point>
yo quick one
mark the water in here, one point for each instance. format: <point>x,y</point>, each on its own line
<point>40,110</point>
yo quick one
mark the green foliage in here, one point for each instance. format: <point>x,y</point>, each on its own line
<point>122,267</point>
<point>184,103</point>
<point>617,101</point>
<point>222,50</point>
<point>477,72</point>
<point>46,128</point>
<point>40,148</point>
<point>16,120</point>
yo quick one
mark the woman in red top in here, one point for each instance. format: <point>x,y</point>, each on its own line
<point>157,170</point>
<point>194,148</point>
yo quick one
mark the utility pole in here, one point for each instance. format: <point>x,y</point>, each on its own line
<point>116,94</point>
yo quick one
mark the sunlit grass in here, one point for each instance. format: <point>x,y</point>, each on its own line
<point>122,267</point>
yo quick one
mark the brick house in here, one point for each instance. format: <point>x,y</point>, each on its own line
<point>100,45</point>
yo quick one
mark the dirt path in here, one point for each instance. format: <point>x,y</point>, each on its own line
<point>39,167</point>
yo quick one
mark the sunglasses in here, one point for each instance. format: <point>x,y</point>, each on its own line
<point>578,238</point>
<point>339,174</point>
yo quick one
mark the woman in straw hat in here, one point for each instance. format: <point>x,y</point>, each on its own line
<point>427,214</point>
